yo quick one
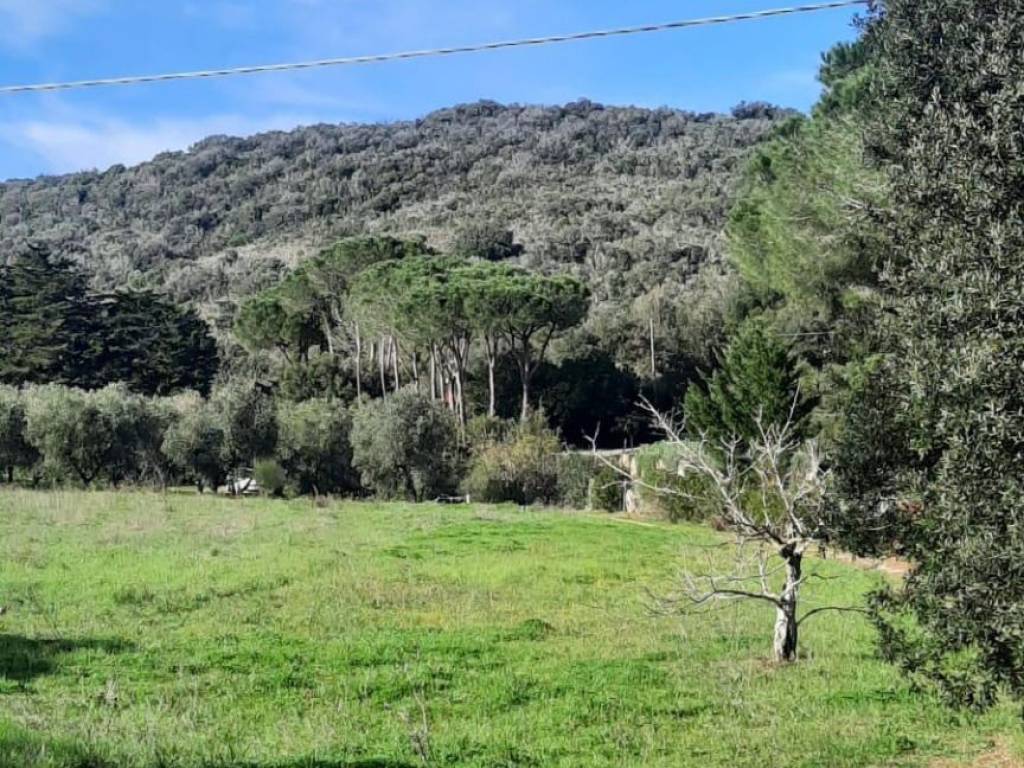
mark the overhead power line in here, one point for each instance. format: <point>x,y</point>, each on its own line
<point>478,48</point>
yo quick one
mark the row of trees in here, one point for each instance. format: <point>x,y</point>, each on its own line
<point>403,446</point>
<point>412,316</point>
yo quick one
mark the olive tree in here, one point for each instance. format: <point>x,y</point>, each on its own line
<point>406,446</point>
<point>769,493</point>
<point>194,444</point>
<point>15,450</point>
<point>86,435</point>
<point>247,412</point>
<point>933,444</point>
<point>313,446</point>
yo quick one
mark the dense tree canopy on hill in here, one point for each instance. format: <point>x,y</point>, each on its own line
<point>625,198</point>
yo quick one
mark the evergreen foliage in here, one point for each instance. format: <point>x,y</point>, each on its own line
<point>933,447</point>
<point>756,380</point>
<point>15,450</point>
<point>55,330</point>
<point>406,446</point>
<point>314,449</point>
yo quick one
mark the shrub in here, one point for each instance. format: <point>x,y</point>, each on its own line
<point>270,477</point>
<point>313,446</point>
<point>407,446</point>
<point>575,471</point>
<point>607,490</point>
<point>679,497</point>
<point>522,467</point>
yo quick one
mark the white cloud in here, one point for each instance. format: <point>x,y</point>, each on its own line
<point>67,145</point>
<point>23,23</point>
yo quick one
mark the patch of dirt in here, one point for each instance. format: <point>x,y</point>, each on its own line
<point>892,566</point>
<point>1000,756</point>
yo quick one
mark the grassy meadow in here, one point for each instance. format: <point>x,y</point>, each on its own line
<point>173,630</point>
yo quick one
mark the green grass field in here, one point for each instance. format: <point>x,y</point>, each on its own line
<point>171,630</point>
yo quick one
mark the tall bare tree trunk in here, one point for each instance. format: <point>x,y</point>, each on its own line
<point>654,366</point>
<point>416,369</point>
<point>433,373</point>
<point>393,351</point>
<point>785,641</point>
<point>460,400</point>
<point>381,364</point>
<point>359,363</point>
<point>525,375</point>
<point>492,401</point>
<point>328,335</point>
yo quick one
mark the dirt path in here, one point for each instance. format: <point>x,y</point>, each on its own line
<point>889,565</point>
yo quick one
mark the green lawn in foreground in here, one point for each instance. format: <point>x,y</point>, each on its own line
<point>153,630</point>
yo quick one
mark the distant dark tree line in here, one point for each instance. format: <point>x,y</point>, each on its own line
<point>55,329</point>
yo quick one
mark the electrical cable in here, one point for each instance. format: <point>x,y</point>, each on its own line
<point>383,57</point>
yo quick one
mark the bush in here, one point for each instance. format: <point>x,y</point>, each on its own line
<point>575,471</point>
<point>686,498</point>
<point>270,477</point>
<point>608,490</point>
<point>313,447</point>
<point>522,467</point>
<point>407,446</point>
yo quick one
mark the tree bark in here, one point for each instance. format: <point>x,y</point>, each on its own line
<point>328,333</point>
<point>359,363</point>
<point>785,641</point>
<point>525,413</point>
<point>393,351</point>
<point>433,373</point>
<point>654,366</point>
<point>492,401</point>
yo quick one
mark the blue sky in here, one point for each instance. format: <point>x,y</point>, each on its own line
<point>702,69</point>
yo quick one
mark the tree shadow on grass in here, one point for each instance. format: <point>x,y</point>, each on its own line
<point>22,659</point>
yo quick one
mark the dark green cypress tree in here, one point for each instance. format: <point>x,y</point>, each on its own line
<point>54,330</point>
<point>756,379</point>
<point>47,327</point>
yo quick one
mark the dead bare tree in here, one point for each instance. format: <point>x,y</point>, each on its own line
<point>769,492</point>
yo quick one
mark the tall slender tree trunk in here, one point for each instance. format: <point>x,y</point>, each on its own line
<point>785,640</point>
<point>393,351</point>
<point>382,365</point>
<point>433,373</point>
<point>416,369</point>
<point>359,363</point>
<point>492,400</point>
<point>460,400</point>
<point>525,373</point>
<point>654,365</point>
<point>328,335</point>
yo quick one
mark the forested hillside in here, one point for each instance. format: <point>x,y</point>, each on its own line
<point>625,198</point>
